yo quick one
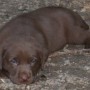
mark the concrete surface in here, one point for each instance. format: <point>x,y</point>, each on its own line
<point>68,69</point>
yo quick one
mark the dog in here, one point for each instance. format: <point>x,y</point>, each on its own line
<point>27,40</point>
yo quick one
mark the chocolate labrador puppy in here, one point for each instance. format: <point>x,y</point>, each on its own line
<point>28,39</point>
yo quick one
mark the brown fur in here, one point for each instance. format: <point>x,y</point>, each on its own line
<point>27,40</point>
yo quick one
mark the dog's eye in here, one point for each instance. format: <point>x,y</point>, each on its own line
<point>34,60</point>
<point>14,61</point>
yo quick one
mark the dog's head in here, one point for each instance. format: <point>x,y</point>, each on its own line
<point>21,63</point>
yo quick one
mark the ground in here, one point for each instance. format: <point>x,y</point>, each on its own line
<point>67,69</point>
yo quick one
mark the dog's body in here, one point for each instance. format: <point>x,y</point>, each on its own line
<point>27,40</point>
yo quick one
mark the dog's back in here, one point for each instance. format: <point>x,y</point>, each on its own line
<point>51,22</point>
<point>52,10</point>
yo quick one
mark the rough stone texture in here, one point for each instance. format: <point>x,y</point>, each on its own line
<point>65,70</point>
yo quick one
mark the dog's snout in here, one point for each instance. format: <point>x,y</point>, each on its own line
<point>25,77</point>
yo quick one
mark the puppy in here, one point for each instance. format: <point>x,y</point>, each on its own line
<point>28,39</point>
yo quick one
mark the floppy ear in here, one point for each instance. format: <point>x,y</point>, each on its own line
<point>0,60</point>
<point>43,56</point>
<point>0,64</point>
<point>87,43</point>
<point>2,52</point>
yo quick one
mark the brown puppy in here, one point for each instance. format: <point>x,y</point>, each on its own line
<point>27,40</point>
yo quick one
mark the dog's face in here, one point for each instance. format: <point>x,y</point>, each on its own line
<point>21,64</point>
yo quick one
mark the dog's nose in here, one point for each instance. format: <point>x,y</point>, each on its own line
<point>24,77</point>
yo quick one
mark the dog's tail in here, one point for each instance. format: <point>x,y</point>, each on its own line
<point>81,22</point>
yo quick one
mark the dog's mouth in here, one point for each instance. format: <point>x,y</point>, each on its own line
<point>23,79</point>
<point>19,81</point>
<point>26,80</point>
